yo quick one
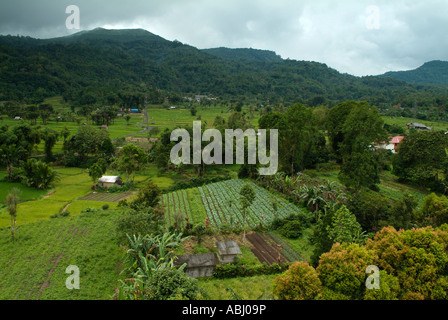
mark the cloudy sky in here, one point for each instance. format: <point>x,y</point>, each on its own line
<point>358,37</point>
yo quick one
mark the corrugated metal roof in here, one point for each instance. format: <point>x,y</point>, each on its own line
<point>228,247</point>
<point>109,179</point>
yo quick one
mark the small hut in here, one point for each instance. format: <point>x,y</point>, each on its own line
<point>109,181</point>
<point>198,265</point>
<point>228,250</point>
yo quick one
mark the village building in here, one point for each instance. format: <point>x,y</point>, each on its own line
<point>418,126</point>
<point>391,145</point>
<point>198,265</point>
<point>109,181</point>
<point>228,251</point>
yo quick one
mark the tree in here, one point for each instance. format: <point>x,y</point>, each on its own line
<point>434,210</point>
<point>50,138</point>
<point>95,172</point>
<point>299,282</point>
<point>360,170</point>
<point>353,126</point>
<point>128,118</point>
<point>65,133</point>
<point>417,257</point>
<point>248,195</point>
<point>148,195</point>
<point>422,159</point>
<point>344,227</point>
<point>38,174</point>
<point>87,142</point>
<point>343,269</point>
<point>11,202</point>
<point>45,111</point>
<point>131,159</point>
<point>370,208</point>
<point>17,144</point>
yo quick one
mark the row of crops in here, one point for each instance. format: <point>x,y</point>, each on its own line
<point>176,203</point>
<point>219,202</point>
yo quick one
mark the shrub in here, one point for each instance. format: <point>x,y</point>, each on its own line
<point>141,222</point>
<point>299,282</point>
<point>105,206</point>
<point>238,270</point>
<point>171,284</point>
<point>389,288</point>
<point>291,229</point>
<point>343,269</point>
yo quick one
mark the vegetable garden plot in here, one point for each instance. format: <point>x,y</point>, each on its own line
<point>106,197</point>
<point>221,201</point>
<point>176,202</point>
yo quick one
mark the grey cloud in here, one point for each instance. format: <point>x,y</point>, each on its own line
<point>333,32</point>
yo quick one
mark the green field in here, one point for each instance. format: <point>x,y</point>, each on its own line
<point>402,122</point>
<point>33,267</point>
<point>74,184</point>
<point>260,287</point>
<point>220,203</point>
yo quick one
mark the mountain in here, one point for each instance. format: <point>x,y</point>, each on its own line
<point>244,54</point>
<point>126,66</point>
<point>433,72</point>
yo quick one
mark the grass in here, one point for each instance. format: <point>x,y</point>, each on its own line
<point>402,122</point>
<point>159,116</point>
<point>250,288</point>
<point>301,245</point>
<point>26,193</point>
<point>74,184</point>
<point>389,185</point>
<point>33,267</point>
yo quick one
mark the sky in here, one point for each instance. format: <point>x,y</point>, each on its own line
<point>358,37</point>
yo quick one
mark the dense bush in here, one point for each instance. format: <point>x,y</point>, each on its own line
<point>417,257</point>
<point>299,282</point>
<point>343,269</point>
<point>291,226</point>
<point>195,182</point>
<point>239,270</point>
<point>171,284</point>
<point>137,222</point>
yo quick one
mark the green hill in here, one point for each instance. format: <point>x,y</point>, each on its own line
<point>244,54</point>
<point>102,66</point>
<point>433,72</point>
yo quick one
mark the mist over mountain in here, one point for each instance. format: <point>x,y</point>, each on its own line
<point>100,63</point>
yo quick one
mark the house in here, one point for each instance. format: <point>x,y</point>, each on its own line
<point>17,118</point>
<point>391,145</point>
<point>418,126</point>
<point>228,250</point>
<point>104,127</point>
<point>198,265</point>
<point>109,181</point>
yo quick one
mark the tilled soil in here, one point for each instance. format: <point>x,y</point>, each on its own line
<point>265,251</point>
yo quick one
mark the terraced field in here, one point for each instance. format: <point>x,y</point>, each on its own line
<point>106,197</point>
